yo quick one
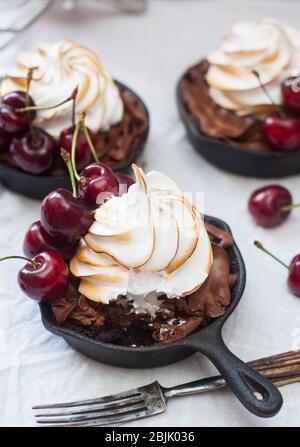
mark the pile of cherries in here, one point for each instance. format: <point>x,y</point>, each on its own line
<point>270,206</point>
<point>65,215</point>
<point>282,127</point>
<point>31,148</point>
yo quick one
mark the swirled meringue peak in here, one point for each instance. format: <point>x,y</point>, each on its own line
<point>59,68</point>
<point>149,242</point>
<point>269,47</point>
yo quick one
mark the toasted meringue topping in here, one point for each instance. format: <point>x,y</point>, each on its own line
<point>149,240</point>
<point>269,47</point>
<point>59,69</point>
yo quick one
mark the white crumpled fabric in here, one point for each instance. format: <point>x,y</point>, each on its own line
<point>149,53</point>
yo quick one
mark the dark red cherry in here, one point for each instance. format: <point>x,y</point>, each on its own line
<point>65,218</point>
<point>11,120</point>
<point>5,140</point>
<point>266,205</point>
<point>98,182</point>
<point>83,153</point>
<point>35,152</point>
<point>294,276</point>
<point>282,132</point>
<point>290,91</point>
<point>125,181</point>
<point>37,240</point>
<point>45,278</point>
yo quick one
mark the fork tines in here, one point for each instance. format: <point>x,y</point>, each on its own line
<point>114,409</point>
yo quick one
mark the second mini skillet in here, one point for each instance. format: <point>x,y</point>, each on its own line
<point>38,186</point>
<point>266,163</point>
<point>255,392</point>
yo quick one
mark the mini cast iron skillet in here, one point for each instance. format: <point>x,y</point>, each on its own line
<point>247,162</point>
<point>38,186</point>
<point>255,392</point>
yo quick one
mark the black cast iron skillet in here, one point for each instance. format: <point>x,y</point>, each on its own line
<point>247,162</point>
<point>256,393</point>
<point>38,186</point>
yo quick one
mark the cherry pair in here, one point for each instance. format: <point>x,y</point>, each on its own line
<point>282,129</point>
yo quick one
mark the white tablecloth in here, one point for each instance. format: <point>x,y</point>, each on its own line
<point>149,53</point>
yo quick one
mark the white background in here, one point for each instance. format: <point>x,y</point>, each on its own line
<point>149,53</point>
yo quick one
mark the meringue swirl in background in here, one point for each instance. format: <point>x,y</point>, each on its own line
<point>269,47</point>
<point>149,242</point>
<point>59,69</point>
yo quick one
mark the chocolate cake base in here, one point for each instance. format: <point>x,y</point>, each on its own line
<point>119,324</point>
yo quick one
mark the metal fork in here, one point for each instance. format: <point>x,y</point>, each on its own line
<point>152,399</point>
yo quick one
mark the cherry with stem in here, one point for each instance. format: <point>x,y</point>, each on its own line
<point>293,269</point>
<point>64,217</point>
<point>271,205</point>
<point>43,278</point>
<point>281,130</point>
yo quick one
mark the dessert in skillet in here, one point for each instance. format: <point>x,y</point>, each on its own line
<point>246,93</point>
<point>143,266</point>
<point>44,96</point>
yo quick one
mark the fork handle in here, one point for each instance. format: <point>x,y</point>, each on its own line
<point>281,369</point>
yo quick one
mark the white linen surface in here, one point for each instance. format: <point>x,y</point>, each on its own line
<point>149,53</point>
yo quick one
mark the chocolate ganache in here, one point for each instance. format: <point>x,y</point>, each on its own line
<point>215,121</point>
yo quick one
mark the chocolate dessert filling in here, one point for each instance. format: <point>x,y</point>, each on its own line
<point>215,121</point>
<point>117,322</point>
<point>118,143</point>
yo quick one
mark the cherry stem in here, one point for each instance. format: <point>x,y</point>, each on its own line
<point>73,150</point>
<point>29,80</point>
<point>35,264</point>
<point>278,108</point>
<point>74,97</point>
<point>288,208</point>
<point>66,158</point>
<point>260,246</point>
<point>38,108</point>
<point>88,138</point>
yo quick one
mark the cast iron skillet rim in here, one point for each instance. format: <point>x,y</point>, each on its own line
<point>116,166</point>
<point>259,153</point>
<point>216,324</point>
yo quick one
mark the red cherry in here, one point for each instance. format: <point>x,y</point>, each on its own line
<point>11,120</point>
<point>5,140</point>
<point>35,152</point>
<point>65,218</point>
<point>267,205</point>
<point>294,276</point>
<point>293,268</point>
<point>290,91</point>
<point>98,182</point>
<point>83,152</point>
<point>125,181</point>
<point>37,240</point>
<point>45,278</point>
<point>282,132</point>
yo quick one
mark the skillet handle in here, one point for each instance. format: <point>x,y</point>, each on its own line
<point>254,391</point>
